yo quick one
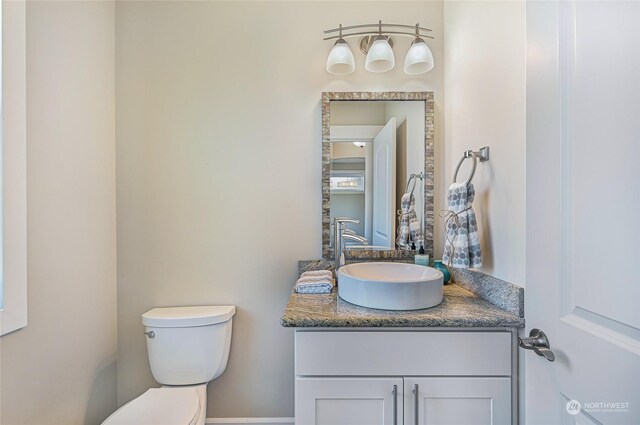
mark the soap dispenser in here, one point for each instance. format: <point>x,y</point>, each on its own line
<point>421,258</point>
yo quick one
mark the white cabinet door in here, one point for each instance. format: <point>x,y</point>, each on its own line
<point>457,401</point>
<point>348,401</point>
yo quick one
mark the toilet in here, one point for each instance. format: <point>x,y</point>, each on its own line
<point>187,348</point>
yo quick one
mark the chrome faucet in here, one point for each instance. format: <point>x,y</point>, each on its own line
<point>340,234</point>
<point>353,237</point>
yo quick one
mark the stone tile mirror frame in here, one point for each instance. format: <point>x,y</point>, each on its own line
<point>427,98</point>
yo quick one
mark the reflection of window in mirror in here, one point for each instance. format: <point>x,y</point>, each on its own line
<point>375,147</point>
<point>13,168</point>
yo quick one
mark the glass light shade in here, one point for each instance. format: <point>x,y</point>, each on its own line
<point>340,60</point>
<point>419,58</point>
<point>380,57</point>
<point>360,144</point>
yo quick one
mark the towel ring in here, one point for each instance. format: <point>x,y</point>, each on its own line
<point>482,154</point>
<point>467,154</point>
<point>412,179</point>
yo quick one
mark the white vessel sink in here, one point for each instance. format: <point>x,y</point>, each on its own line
<point>390,286</point>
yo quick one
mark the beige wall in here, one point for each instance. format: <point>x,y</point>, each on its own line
<point>485,88</point>
<point>60,369</point>
<point>357,113</point>
<point>218,170</point>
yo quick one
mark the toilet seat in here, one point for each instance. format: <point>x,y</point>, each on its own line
<point>160,406</point>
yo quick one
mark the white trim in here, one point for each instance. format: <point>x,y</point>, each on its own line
<point>250,421</point>
<point>350,133</point>
<point>14,167</point>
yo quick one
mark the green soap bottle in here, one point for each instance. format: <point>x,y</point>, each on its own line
<point>447,274</point>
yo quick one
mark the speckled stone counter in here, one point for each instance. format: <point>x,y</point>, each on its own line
<point>460,308</point>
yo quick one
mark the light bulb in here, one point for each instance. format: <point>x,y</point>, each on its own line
<point>380,57</point>
<point>340,60</point>
<point>419,58</point>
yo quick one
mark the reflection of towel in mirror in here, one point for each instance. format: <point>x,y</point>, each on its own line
<point>409,226</point>
<point>462,244</point>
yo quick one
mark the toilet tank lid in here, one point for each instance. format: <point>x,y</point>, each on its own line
<point>182,317</point>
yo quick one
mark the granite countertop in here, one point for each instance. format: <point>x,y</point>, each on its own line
<point>460,308</point>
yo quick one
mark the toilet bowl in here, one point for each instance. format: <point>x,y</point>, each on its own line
<point>164,406</point>
<point>187,348</point>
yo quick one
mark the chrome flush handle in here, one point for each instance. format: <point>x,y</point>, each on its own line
<point>150,334</point>
<point>539,343</point>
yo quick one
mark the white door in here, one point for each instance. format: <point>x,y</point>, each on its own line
<point>384,186</point>
<point>457,401</point>
<point>348,401</point>
<point>583,212</point>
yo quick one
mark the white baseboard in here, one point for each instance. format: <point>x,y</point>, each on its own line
<point>250,421</point>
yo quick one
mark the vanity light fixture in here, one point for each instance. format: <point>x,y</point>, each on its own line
<point>360,144</point>
<point>419,57</point>
<point>377,44</point>
<point>380,56</point>
<point>340,60</point>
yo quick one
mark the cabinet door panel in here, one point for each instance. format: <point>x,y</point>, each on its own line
<point>458,401</point>
<point>348,401</point>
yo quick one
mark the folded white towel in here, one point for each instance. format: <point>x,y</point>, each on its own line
<point>305,279</point>
<point>314,288</point>
<point>318,273</point>
<point>314,285</point>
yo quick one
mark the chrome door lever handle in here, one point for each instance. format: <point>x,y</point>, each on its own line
<point>539,343</point>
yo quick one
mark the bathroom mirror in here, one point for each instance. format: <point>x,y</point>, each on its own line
<point>378,146</point>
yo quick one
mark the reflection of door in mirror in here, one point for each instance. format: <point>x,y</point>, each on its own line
<point>375,147</point>
<point>384,186</point>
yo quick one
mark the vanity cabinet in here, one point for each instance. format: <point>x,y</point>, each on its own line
<point>406,376</point>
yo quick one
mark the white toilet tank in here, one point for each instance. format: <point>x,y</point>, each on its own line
<point>188,345</point>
